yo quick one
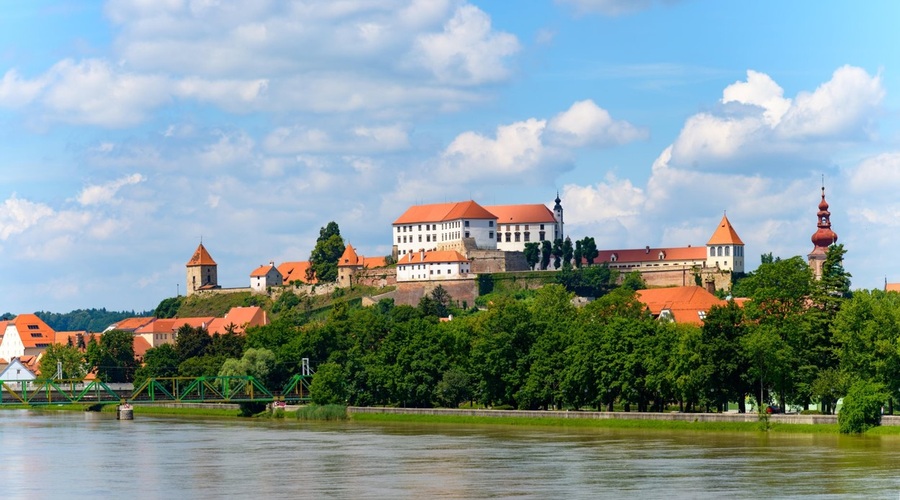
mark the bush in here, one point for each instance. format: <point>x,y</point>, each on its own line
<point>322,412</point>
<point>862,407</point>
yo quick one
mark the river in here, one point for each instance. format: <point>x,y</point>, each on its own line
<point>92,455</point>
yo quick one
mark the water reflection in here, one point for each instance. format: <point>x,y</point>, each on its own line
<point>90,455</point>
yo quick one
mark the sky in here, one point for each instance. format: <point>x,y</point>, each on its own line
<point>132,129</point>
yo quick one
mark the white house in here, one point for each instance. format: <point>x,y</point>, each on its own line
<point>26,334</point>
<point>434,265</point>
<point>725,250</point>
<point>444,226</point>
<point>265,276</point>
<point>17,372</point>
<point>521,224</point>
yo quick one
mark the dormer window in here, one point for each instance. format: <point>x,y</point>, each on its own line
<point>662,255</point>
<point>33,327</point>
<point>614,257</point>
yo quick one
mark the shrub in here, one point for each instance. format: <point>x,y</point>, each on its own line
<point>862,407</point>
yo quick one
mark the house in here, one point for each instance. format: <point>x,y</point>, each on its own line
<point>26,334</point>
<point>265,276</point>
<point>444,226</point>
<point>521,224</point>
<point>158,332</point>
<point>434,265</point>
<point>15,371</point>
<point>682,304</point>
<point>238,319</point>
<point>351,264</point>
<point>202,272</point>
<point>130,324</point>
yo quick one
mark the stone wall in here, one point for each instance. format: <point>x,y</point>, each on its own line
<point>461,290</point>
<point>496,261</point>
<point>682,276</point>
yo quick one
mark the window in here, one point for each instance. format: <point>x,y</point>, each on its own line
<point>490,235</point>
<point>420,238</point>
<point>467,223</point>
<point>517,227</point>
<point>517,237</point>
<point>398,239</point>
<point>526,227</point>
<point>428,237</point>
<point>398,229</point>
<point>507,237</point>
<point>712,251</point>
<point>727,249</point>
<point>33,327</point>
<point>542,228</point>
<point>543,235</point>
<point>490,223</point>
<point>527,235</point>
<point>36,335</point>
<point>420,227</point>
<point>467,234</point>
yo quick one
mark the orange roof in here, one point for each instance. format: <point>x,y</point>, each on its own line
<point>519,214</point>
<point>132,324</point>
<point>373,262</point>
<point>200,322</point>
<point>33,331</point>
<point>241,317</point>
<point>262,271</point>
<point>349,257</point>
<point>434,256</point>
<point>158,326</point>
<point>725,234</point>
<point>652,254</point>
<point>65,337</point>
<point>293,271</point>
<point>892,287</point>
<point>201,258</point>
<point>688,304</point>
<point>140,345</point>
<point>438,212</point>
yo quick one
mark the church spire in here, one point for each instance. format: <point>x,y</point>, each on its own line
<point>823,237</point>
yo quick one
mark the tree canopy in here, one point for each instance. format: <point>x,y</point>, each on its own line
<point>325,255</point>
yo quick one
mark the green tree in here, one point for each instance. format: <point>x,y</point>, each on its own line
<point>532,254</point>
<point>589,249</point>
<point>862,407</point>
<point>69,358</point>
<point>634,281</point>
<point>329,385</point>
<point>454,388</point>
<point>191,342</point>
<point>723,361</point>
<point>546,252</point>
<point>113,356</point>
<point>578,255</point>
<point>256,363</point>
<point>325,255</point>
<point>567,252</point>
<point>168,308</point>
<point>159,362</point>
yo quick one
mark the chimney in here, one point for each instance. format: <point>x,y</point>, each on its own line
<point>647,249</point>
<point>422,254</point>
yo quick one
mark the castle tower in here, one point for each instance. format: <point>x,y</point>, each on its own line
<point>558,215</point>
<point>348,264</point>
<point>822,238</point>
<point>725,250</point>
<point>201,271</point>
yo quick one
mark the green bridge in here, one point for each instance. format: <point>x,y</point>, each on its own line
<point>236,389</point>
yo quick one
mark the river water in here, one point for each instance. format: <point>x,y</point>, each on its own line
<point>91,455</point>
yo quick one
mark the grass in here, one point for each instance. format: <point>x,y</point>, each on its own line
<point>322,412</point>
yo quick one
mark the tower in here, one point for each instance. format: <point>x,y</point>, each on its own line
<point>822,238</point>
<point>201,271</point>
<point>725,250</point>
<point>558,215</point>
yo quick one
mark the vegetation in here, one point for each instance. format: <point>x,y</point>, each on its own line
<point>322,412</point>
<point>324,257</point>
<point>89,320</point>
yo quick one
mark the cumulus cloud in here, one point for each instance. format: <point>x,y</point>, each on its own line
<point>755,120</point>
<point>879,174</point>
<point>17,215</point>
<point>515,152</point>
<point>586,124</point>
<point>361,139</point>
<point>106,193</point>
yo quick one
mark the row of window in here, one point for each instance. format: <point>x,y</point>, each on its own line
<point>500,227</point>
<point>444,225</point>
<point>718,251</point>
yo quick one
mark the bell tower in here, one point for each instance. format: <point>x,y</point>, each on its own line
<point>201,272</point>
<point>822,238</point>
<point>558,215</point>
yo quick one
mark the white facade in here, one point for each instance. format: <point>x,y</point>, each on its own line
<point>12,345</point>
<point>728,257</point>
<point>435,265</point>
<point>446,235</point>
<point>513,237</point>
<point>264,277</point>
<point>16,371</point>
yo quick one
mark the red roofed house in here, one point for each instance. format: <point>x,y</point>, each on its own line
<point>201,271</point>
<point>521,224</point>
<point>682,304</point>
<point>434,265</point>
<point>158,332</point>
<point>444,226</point>
<point>130,324</point>
<point>239,319</point>
<point>25,335</point>
<point>350,264</point>
<point>265,276</point>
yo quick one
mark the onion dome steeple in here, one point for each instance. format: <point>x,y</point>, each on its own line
<point>822,238</point>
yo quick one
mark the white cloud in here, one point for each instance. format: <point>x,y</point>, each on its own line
<point>17,92</point>
<point>106,193</point>
<point>876,175</point>
<point>467,51</point>
<point>585,123</point>
<point>514,154</point>
<point>361,139</point>
<point>17,215</point>
<point>611,7</point>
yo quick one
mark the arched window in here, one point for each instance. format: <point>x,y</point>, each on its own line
<point>718,251</point>
<point>712,251</point>
<point>727,251</point>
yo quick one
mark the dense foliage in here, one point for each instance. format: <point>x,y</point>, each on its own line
<point>90,320</point>
<point>324,257</point>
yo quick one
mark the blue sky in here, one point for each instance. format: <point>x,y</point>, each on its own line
<point>130,129</point>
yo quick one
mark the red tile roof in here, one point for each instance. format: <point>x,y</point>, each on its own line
<point>435,256</point>
<point>293,271</point>
<point>349,257</point>
<point>892,287</point>
<point>140,345</point>
<point>158,326</point>
<point>262,271</point>
<point>519,214</point>
<point>438,212</point>
<point>63,338</point>
<point>132,324</point>
<point>201,258</point>
<point>242,318</point>
<point>652,254</point>
<point>725,234</point>
<point>33,331</point>
<point>686,303</point>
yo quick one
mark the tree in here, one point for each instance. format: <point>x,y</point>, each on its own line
<point>324,257</point>
<point>329,385</point>
<point>69,357</point>
<point>557,252</point>
<point>634,281</point>
<point>589,249</point>
<point>532,254</point>
<point>159,362</point>
<point>112,356</point>
<point>256,363</point>
<point>168,308</point>
<point>191,342</point>
<point>567,252</point>
<point>862,407</point>
<point>578,255</point>
<point>546,252</point>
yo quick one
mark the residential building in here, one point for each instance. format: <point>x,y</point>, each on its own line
<point>682,304</point>
<point>822,238</point>
<point>202,272</point>
<point>433,265</point>
<point>15,373</point>
<point>444,226</point>
<point>25,335</point>
<point>238,319</point>
<point>265,276</point>
<point>296,271</point>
